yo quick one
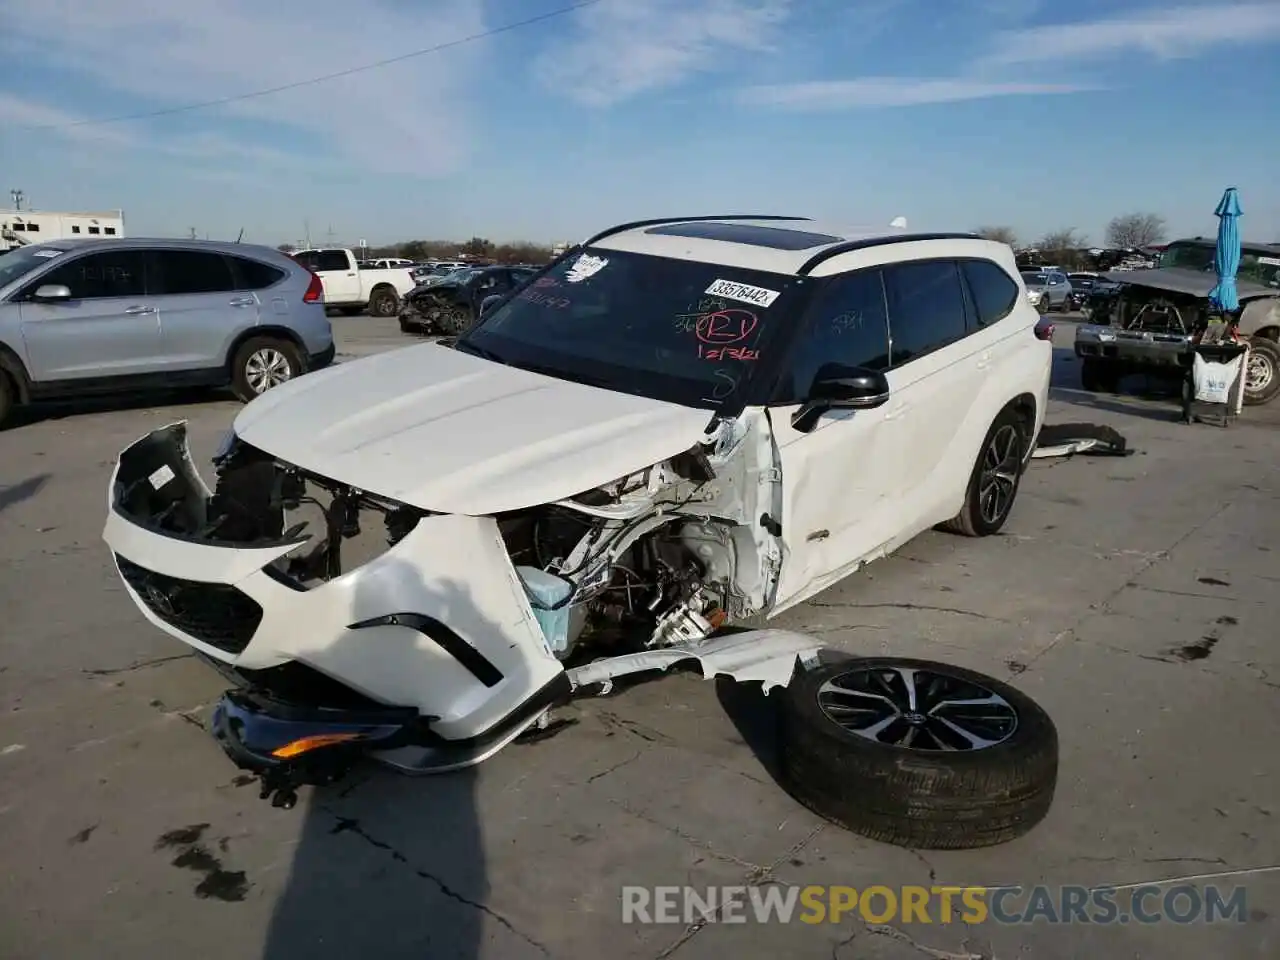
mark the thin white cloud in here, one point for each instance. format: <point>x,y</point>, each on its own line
<point>1162,33</point>
<point>407,118</point>
<point>20,112</point>
<point>621,49</point>
<point>868,92</point>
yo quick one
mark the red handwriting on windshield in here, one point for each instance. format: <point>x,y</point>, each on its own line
<point>720,331</point>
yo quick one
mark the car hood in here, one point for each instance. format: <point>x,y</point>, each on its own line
<point>1194,283</point>
<point>449,432</point>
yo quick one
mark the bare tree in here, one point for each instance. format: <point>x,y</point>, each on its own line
<point>1057,241</point>
<point>998,234</point>
<point>1135,230</point>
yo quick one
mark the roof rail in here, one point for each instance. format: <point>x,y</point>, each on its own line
<point>850,245</point>
<point>637,224</point>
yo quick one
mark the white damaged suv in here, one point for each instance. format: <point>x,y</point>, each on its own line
<point>678,425</point>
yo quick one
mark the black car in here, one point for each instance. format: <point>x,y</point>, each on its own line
<point>450,304</point>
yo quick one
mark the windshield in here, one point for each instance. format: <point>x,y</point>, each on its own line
<point>675,330</point>
<point>18,263</point>
<point>1261,268</point>
<point>1032,279</point>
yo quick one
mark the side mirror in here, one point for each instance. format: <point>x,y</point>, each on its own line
<point>51,293</point>
<point>841,388</point>
<point>488,303</point>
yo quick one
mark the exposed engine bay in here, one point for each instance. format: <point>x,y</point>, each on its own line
<point>667,555</point>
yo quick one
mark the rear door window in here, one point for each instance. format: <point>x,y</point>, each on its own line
<point>100,276</point>
<point>186,272</point>
<point>926,308</point>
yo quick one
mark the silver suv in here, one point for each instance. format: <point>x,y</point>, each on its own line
<point>81,317</point>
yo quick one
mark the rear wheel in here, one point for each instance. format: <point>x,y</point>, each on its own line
<point>384,302</point>
<point>263,363</point>
<point>993,485</point>
<point>7,394</point>
<point>1262,375</point>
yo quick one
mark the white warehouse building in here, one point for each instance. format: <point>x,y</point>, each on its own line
<point>21,227</point>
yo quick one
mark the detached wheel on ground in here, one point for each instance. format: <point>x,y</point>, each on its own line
<point>997,474</point>
<point>263,363</point>
<point>1262,375</point>
<point>917,753</point>
<point>384,302</point>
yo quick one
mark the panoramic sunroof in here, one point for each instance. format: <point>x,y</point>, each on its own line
<point>777,238</point>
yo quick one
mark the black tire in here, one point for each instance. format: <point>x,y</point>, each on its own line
<point>7,395</point>
<point>1265,351</point>
<point>244,380</point>
<point>1092,376</point>
<point>1042,305</point>
<point>974,520</point>
<point>456,320</point>
<point>384,302</point>
<point>922,798</point>
<point>411,326</point>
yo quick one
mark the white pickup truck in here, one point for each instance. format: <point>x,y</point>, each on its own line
<point>351,288</point>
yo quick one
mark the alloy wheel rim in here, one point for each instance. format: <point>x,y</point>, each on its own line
<point>267,368</point>
<point>999,478</point>
<point>918,709</point>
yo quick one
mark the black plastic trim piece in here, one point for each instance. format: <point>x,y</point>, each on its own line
<point>472,659</point>
<point>850,245</point>
<point>659,221</point>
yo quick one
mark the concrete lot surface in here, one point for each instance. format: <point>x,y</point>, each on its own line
<point>1132,597</point>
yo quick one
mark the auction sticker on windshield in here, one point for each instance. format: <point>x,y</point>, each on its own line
<point>743,292</point>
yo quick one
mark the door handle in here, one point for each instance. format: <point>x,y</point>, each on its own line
<point>136,311</point>
<point>243,302</point>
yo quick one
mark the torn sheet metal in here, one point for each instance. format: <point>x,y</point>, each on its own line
<point>765,656</point>
<point>1068,439</point>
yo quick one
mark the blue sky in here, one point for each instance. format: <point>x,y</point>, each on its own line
<point>953,113</point>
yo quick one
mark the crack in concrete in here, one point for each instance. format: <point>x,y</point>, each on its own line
<point>350,825</point>
<point>703,845</point>
<point>1159,556</point>
<point>617,766</point>
<point>908,606</point>
<point>893,933</point>
<point>140,665</point>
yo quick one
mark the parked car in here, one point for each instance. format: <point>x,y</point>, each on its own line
<point>450,304</point>
<point>387,263</point>
<point>1147,320</point>
<point>99,316</point>
<point>351,289</point>
<point>680,426</point>
<point>1084,286</point>
<point>1050,289</point>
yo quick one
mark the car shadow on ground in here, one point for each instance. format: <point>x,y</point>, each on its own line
<point>387,865</point>
<point>13,495</point>
<point>64,409</point>
<point>1148,397</point>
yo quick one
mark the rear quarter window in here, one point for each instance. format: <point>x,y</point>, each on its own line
<point>254,274</point>
<point>994,292</point>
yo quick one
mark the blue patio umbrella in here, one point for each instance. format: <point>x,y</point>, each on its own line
<point>1226,258</point>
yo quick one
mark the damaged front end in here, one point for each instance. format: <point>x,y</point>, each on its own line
<point>353,624</point>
